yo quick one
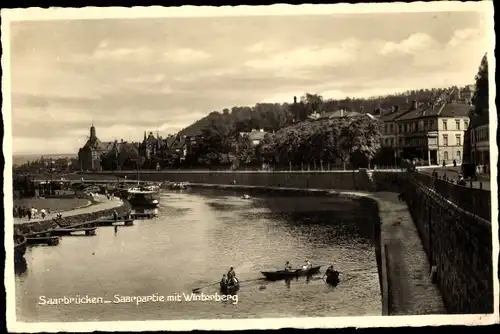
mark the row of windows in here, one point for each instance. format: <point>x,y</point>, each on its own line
<point>458,140</point>
<point>421,142</point>
<point>480,134</point>
<point>457,125</point>
<point>424,125</point>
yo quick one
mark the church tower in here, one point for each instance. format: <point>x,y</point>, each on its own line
<point>92,132</point>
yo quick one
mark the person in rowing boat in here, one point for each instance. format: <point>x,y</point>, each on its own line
<point>307,265</point>
<point>329,271</point>
<point>231,276</point>
<point>332,276</point>
<point>288,266</point>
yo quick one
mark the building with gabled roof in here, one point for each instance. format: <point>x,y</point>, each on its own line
<point>434,131</point>
<point>89,155</point>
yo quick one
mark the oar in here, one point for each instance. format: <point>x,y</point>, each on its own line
<point>207,286</point>
<point>203,287</point>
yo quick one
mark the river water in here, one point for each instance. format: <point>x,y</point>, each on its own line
<point>197,237</point>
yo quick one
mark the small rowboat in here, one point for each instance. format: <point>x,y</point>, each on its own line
<point>289,274</point>
<point>20,245</point>
<point>333,278</point>
<point>229,289</point>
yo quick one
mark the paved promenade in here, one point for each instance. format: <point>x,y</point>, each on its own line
<point>452,174</point>
<point>410,290</point>
<point>102,204</point>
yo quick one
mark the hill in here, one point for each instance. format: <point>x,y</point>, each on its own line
<point>273,116</point>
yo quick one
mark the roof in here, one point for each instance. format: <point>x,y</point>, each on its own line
<point>341,113</point>
<point>96,144</point>
<point>444,110</point>
<point>257,135</point>
<point>392,115</point>
<point>175,142</point>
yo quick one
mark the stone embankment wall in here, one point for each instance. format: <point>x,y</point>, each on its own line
<point>45,225</point>
<point>338,180</point>
<point>459,246</point>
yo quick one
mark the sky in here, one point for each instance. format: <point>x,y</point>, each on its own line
<point>127,76</point>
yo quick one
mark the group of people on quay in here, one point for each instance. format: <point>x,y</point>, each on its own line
<point>21,211</point>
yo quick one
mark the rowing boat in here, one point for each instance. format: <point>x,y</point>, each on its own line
<point>229,289</point>
<point>333,278</point>
<point>288,274</point>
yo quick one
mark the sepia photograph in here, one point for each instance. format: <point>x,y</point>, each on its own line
<point>250,167</point>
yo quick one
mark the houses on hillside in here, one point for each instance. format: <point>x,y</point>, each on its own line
<point>255,136</point>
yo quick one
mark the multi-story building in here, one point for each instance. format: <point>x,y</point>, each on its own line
<point>89,155</point>
<point>479,143</point>
<point>389,130</point>
<point>433,132</point>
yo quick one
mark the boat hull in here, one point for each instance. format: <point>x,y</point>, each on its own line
<point>230,289</point>
<point>73,231</point>
<point>43,240</point>
<point>20,245</point>
<point>333,278</point>
<point>282,274</point>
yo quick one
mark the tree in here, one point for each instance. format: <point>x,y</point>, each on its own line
<point>128,156</point>
<point>245,151</point>
<point>109,160</point>
<point>480,99</point>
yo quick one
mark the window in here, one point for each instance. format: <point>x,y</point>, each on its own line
<point>445,155</point>
<point>426,124</point>
<point>391,128</point>
<point>406,127</point>
<point>459,140</point>
<point>445,140</point>
<point>466,124</point>
<point>385,128</point>
<point>400,128</point>
<point>458,154</point>
<point>457,122</point>
<point>415,126</point>
<point>431,124</point>
<point>445,125</point>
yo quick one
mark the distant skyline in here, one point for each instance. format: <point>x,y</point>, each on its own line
<point>128,76</point>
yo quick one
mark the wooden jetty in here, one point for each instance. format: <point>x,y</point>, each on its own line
<point>113,222</point>
<point>71,231</point>
<point>143,215</point>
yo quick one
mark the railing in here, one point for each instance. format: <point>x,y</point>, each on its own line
<point>473,200</point>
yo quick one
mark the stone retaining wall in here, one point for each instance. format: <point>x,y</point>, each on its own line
<point>459,245</point>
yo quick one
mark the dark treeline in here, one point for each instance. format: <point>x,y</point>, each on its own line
<point>274,116</point>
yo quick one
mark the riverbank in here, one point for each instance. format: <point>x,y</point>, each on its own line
<point>405,282</point>
<point>53,204</point>
<point>102,208</point>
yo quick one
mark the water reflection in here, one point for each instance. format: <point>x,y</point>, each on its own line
<point>20,266</point>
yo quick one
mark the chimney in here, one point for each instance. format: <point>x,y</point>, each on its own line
<point>295,100</point>
<point>414,105</point>
<point>341,112</point>
<point>396,108</point>
<point>121,140</point>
